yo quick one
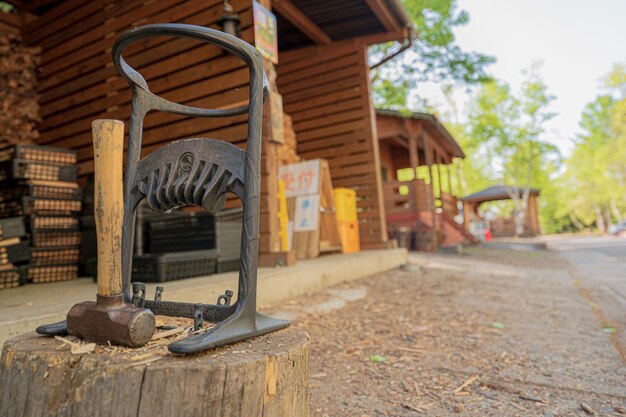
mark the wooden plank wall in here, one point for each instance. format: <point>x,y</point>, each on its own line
<point>326,92</point>
<point>9,23</point>
<point>79,83</point>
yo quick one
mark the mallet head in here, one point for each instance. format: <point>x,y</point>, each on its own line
<point>111,320</point>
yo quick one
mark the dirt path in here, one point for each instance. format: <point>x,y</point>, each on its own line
<point>488,334</point>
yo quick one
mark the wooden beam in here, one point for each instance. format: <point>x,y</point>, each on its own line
<point>384,15</point>
<point>290,12</point>
<point>10,19</point>
<point>15,3</point>
<point>414,160</point>
<point>398,35</point>
<point>399,141</point>
<point>30,5</point>
<point>431,189</point>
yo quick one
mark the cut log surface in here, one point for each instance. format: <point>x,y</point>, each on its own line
<point>266,376</point>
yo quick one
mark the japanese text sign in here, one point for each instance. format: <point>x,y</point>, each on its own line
<point>301,179</point>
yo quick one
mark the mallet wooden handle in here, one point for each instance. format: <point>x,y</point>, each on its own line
<point>108,148</point>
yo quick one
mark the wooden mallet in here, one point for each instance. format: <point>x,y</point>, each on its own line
<point>110,319</point>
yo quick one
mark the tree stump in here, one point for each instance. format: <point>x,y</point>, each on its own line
<point>266,376</point>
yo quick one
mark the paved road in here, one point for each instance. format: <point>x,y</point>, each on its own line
<point>601,258</point>
<point>600,265</point>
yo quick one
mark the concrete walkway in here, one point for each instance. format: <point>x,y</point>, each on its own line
<point>24,308</point>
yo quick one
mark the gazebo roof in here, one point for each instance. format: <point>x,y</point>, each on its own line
<point>497,192</point>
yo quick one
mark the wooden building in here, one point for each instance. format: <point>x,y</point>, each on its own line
<point>502,226</point>
<point>322,75</point>
<point>423,207</point>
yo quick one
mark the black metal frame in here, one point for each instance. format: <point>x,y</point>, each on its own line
<point>199,172</point>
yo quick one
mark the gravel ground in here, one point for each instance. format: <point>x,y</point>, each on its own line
<point>487,333</point>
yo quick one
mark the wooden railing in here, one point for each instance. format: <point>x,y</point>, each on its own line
<point>449,204</point>
<point>399,197</point>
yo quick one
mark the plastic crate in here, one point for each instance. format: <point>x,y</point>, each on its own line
<point>228,226</point>
<point>54,189</point>
<point>14,190</point>
<point>181,232</point>
<point>349,234</point>
<point>51,273</point>
<point>228,265</point>
<point>173,266</point>
<point>54,255</point>
<point>21,169</point>
<point>179,221</point>
<point>51,238</point>
<point>11,208</point>
<point>345,204</point>
<point>39,153</point>
<point>11,278</point>
<point>15,253</point>
<point>12,227</point>
<point>47,206</point>
<point>38,222</point>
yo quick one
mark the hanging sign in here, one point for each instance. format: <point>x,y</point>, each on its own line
<point>301,179</point>
<point>265,33</point>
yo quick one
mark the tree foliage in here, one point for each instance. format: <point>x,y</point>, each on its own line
<point>433,55</point>
<point>506,141</point>
<point>594,182</point>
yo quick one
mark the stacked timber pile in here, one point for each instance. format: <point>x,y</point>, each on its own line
<point>18,76</point>
<point>39,185</point>
<point>287,153</point>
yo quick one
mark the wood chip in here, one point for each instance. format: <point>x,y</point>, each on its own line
<point>537,400</point>
<point>469,381</point>
<point>80,349</point>
<point>147,361</point>
<point>411,350</point>
<point>168,333</point>
<point>75,347</point>
<point>141,357</point>
<point>587,409</point>
<point>414,408</point>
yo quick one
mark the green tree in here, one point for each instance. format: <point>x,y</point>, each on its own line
<point>432,56</point>
<point>595,177</point>
<point>507,133</point>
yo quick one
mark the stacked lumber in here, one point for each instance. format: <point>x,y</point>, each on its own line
<point>287,152</point>
<point>18,77</point>
<point>39,187</point>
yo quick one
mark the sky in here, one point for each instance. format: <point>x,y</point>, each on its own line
<point>577,41</point>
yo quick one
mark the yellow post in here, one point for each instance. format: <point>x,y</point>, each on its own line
<point>283,217</point>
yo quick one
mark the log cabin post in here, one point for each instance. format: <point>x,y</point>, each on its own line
<point>373,134</point>
<point>532,214</point>
<point>414,161</point>
<point>439,160</point>
<point>431,192</point>
<point>269,240</point>
<point>467,215</point>
<point>449,178</point>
